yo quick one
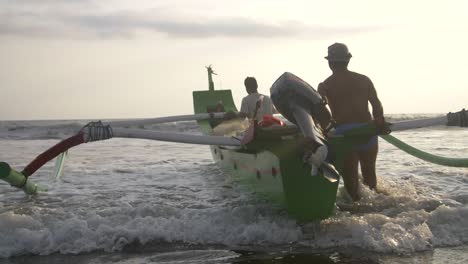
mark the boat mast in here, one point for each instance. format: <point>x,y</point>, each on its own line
<point>210,77</point>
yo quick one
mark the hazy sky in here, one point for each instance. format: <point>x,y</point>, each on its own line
<point>68,59</point>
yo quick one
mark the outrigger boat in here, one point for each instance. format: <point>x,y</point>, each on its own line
<point>274,164</point>
<point>296,166</point>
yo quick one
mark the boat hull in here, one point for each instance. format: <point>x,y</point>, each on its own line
<point>271,165</point>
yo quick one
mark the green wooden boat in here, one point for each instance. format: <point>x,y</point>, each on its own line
<point>272,164</point>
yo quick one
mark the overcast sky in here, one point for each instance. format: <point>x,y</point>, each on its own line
<point>70,59</point>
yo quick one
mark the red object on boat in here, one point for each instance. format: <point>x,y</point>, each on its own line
<point>269,120</point>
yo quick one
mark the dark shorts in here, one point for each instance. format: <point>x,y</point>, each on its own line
<point>341,129</point>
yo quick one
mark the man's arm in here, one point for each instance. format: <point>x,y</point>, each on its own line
<point>321,89</point>
<point>377,111</point>
<point>271,106</point>
<point>323,92</point>
<point>377,108</point>
<point>244,110</point>
<point>242,113</point>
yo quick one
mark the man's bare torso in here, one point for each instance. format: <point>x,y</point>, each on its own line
<point>348,94</point>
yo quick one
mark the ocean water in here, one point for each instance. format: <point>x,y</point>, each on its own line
<point>141,201</point>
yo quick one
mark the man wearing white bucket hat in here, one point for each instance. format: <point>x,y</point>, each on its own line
<point>347,94</point>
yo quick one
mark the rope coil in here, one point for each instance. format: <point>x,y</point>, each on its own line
<point>458,118</point>
<point>21,185</point>
<point>95,131</point>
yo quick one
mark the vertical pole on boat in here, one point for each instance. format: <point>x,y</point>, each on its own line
<point>210,78</point>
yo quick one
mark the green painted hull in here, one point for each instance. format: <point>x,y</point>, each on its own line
<point>271,165</point>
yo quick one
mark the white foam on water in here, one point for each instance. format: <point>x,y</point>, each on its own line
<point>392,223</point>
<point>399,221</point>
<point>449,226</point>
<point>112,231</point>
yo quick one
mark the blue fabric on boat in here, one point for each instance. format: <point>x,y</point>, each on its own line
<point>341,129</point>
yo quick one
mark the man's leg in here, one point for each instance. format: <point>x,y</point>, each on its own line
<point>350,175</point>
<point>367,160</point>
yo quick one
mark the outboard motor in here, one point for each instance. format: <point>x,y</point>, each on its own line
<point>298,102</point>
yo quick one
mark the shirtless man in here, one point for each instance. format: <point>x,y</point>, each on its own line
<point>347,94</point>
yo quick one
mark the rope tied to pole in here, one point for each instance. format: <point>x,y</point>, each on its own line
<point>458,118</point>
<point>95,131</point>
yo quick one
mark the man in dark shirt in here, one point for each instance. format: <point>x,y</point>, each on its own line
<point>347,94</point>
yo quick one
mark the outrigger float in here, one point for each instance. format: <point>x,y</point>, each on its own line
<point>297,165</point>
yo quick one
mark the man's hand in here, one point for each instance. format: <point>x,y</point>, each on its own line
<point>383,127</point>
